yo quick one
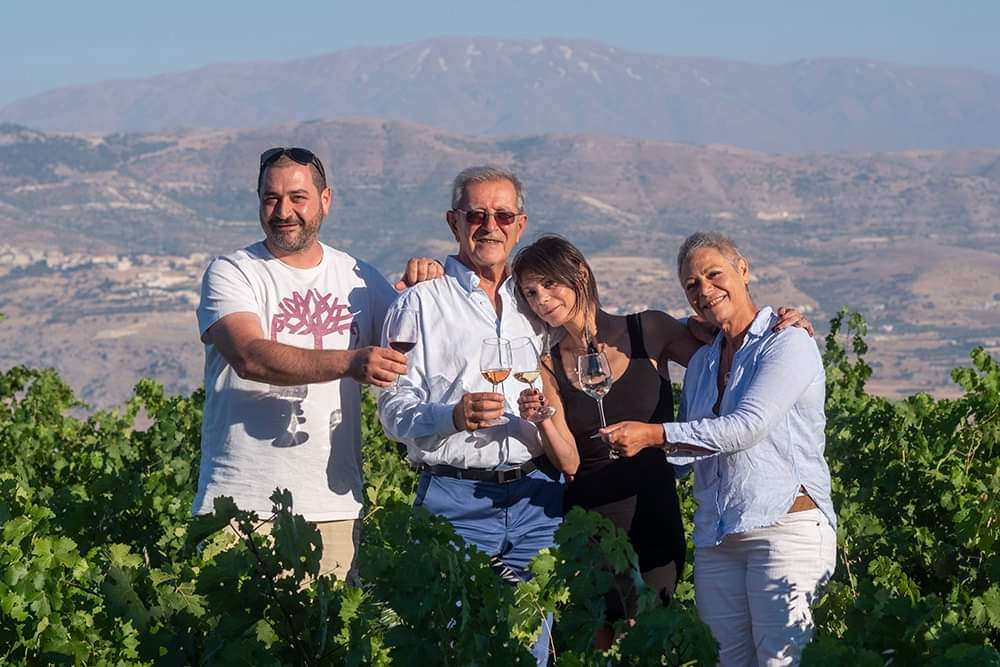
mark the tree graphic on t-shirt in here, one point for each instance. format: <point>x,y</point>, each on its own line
<point>311,314</point>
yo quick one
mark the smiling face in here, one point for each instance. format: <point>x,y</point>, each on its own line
<point>716,287</point>
<point>553,302</point>
<point>291,210</point>
<point>485,247</point>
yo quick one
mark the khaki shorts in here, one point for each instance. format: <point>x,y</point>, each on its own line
<point>340,547</point>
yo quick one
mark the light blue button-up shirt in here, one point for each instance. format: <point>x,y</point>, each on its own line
<point>455,315</point>
<point>769,434</point>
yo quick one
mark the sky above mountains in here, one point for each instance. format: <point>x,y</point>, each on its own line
<point>56,43</point>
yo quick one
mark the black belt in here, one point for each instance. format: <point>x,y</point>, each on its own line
<point>489,475</point>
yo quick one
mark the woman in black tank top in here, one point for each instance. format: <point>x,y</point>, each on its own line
<point>638,494</point>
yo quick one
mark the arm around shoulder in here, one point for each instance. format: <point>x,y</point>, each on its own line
<point>667,339</point>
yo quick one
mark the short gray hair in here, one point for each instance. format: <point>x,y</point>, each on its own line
<point>485,174</point>
<point>716,240</point>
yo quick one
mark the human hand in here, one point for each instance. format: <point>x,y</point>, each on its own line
<point>529,402</point>
<point>419,269</point>
<point>791,317</point>
<point>476,410</point>
<point>630,438</point>
<point>377,366</point>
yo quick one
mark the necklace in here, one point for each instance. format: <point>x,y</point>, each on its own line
<point>728,364</point>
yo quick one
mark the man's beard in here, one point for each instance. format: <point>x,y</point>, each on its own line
<point>307,233</point>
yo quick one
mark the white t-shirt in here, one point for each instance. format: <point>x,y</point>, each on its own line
<point>249,445</point>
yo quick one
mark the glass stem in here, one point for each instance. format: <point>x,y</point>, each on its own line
<point>600,408</point>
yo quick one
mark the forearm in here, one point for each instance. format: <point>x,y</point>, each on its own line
<point>407,417</point>
<point>739,430</point>
<point>682,347</point>
<point>668,339</point>
<point>275,363</point>
<point>680,448</point>
<point>560,449</point>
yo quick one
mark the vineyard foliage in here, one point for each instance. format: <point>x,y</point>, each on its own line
<point>102,564</point>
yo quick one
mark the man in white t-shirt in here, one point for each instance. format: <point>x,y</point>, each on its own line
<point>291,329</point>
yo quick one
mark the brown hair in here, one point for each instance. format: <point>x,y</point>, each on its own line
<point>554,258</point>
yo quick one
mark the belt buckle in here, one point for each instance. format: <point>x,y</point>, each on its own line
<point>510,475</point>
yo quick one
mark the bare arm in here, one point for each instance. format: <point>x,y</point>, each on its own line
<point>558,442</point>
<point>667,339</point>
<point>241,341</point>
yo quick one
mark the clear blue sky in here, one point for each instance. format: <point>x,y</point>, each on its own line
<point>45,44</point>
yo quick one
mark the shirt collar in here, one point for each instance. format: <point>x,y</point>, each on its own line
<point>468,278</point>
<point>761,323</point>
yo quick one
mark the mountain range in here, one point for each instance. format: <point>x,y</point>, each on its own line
<point>486,86</point>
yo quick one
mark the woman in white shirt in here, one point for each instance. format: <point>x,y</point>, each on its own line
<point>752,424</point>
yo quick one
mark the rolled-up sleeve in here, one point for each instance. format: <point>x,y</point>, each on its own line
<point>683,463</point>
<point>787,365</point>
<point>408,417</point>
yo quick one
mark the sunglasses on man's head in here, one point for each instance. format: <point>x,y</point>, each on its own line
<point>479,217</point>
<point>301,155</point>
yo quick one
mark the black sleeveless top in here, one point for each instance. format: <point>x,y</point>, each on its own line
<point>640,394</point>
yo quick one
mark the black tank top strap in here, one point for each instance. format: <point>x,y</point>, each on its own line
<point>635,337</point>
<point>562,378</point>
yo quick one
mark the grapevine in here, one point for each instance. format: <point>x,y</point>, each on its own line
<point>102,563</point>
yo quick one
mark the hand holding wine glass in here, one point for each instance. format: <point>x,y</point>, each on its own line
<point>527,369</point>
<point>495,363</point>
<point>401,331</point>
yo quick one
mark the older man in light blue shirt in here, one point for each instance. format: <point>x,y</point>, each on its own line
<point>455,316</point>
<point>492,482</point>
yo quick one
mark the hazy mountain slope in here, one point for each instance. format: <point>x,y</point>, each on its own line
<point>495,87</point>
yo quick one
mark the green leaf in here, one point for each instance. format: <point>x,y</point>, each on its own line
<point>986,608</point>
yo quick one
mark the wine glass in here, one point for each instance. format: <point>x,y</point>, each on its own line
<point>527,369</point>
<point>294,394</point>
<point>401,331</point>
<point>495,363</point>
<point>595,380</point>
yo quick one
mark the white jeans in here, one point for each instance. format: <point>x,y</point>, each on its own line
<point>755,589</point>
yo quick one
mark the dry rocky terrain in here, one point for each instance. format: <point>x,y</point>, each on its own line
<point>104,237</point>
